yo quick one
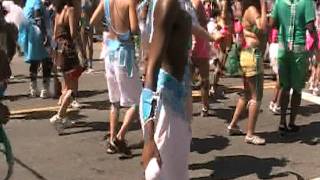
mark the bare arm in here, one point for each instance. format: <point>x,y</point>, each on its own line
<point>199,31</point>
<point>200,12</point>
<point>72,22</point>
<point>56,20</point>
<point>134,28</point>
<point>98,14</point>
<point>262,22</point>
<point>163,24</point>
<point>73,30</point>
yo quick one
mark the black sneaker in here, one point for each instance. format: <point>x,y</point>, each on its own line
<point>123,149</point>
<point>283,130</point>
<point>293,128</point>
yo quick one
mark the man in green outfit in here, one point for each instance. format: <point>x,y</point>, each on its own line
<point>292,18</point>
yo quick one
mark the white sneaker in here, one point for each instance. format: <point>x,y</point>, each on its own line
<point>33,93</point>
<point>311,86</point>
<point>57,123</point>
<point>89,71</point>
<point>44,94</point>
<point>75,104</point>
<point>276,109</point>
<point>271,106</point>
<point>315,91</point>
<point>33,89</point>
<point>55,118</point>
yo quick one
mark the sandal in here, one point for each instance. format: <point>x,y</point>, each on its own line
<point>235,131</point>
<point>123,148</point>
<point>111,148</point>
<point>255,140</point>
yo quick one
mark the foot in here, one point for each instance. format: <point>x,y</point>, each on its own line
<point>123,148</point>
<point>271,106</point>
<point>315,91</point>
<point>57,122</point>
<point>276,109</point>
<point>75,104</point>
<point>33,93</point>
<point>235,131</point>
<point>204,112</point>
<point>44,94</point>
<point>111,147</point>
<point>293,128</point>
<point>90,70</point>
<point>255,140</point>
<point>283,129</point>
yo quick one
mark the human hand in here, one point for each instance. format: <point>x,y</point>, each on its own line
<point>150,150</point>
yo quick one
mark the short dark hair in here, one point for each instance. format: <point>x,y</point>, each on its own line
<point>59,4</point>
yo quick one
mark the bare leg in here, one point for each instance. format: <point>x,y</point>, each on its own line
<point>256,89</point>
<point>242,102</point>
<point>131,114</point>
<point>113,118</point>
<point>66,97</point>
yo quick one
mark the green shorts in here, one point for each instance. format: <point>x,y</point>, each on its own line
<point>293,68</point>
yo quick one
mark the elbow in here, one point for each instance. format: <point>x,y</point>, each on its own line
<point>135,30</point>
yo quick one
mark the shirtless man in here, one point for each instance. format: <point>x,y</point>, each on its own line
<point>165,103</point>
<point>121,71</point>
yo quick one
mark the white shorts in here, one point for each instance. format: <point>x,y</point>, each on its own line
<point>173,137</point>
<point>121,87</point>
<point>273,56</point>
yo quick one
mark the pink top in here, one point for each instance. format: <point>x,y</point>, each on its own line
<point>238,28</point>
<point>273,36</point>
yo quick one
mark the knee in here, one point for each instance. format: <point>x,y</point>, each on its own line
<point>254,102</point>
<point>115,106</point>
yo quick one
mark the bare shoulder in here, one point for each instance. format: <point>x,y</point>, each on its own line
<point>167,6</point>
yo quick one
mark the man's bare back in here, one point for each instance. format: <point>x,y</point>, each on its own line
<point>174,37</point>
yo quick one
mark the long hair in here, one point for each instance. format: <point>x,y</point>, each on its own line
<point>59,4</point>
<point>247,3</point>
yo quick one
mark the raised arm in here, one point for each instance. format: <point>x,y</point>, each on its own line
<point>98,14</point>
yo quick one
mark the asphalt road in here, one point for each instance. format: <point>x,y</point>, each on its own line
<point>41,154</point>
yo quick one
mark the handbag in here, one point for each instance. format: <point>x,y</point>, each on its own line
<point>233,60</point>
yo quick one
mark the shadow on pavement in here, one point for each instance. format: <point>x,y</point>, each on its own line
<point>16,97</point>
<point>88,93</point>
<point>308,134</point>
<point>43,115</point>
<point>205,145</point>
<point>86,127</point>
<point>17,161</point>
<point>98,105</point>
<point>309,110</point>
<point>232,167</point>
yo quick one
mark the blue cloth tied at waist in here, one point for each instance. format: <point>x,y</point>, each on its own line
<point>172,92</point>
<point>122,53</point>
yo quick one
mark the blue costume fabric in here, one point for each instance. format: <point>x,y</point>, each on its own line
<point>30,36</point>
<point>121,49</point>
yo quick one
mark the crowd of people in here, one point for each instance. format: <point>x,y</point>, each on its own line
<point>181,42</point>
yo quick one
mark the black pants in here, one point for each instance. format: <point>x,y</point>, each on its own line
<point>46,69</point>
